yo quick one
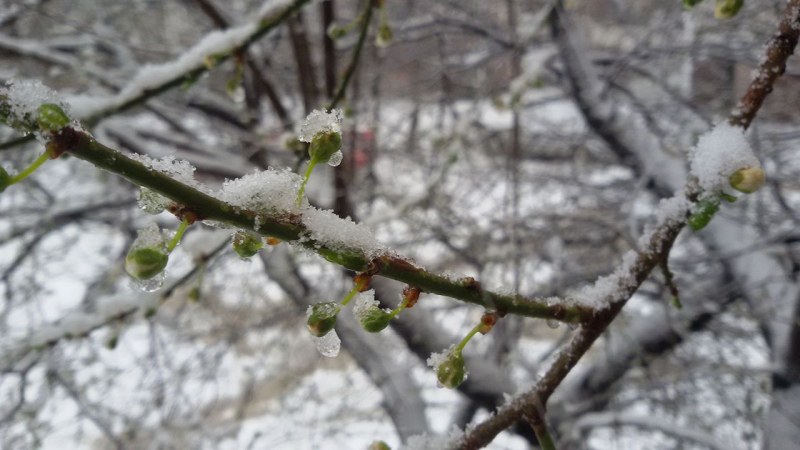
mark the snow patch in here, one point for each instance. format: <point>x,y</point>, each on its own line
<point>320,121</point>
<point>336,233</point>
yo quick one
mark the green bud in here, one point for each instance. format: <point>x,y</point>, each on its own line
<point>144,263</point>
<point>324,145</point>
<point>246,244</point>
<point>703,213</point>
<point>375,319</point>
<point>690,3</point>
<point>748,180</point>
<point>725,9</point>
<point>5,179</point>
<point>336,32</point>
<point>51,117</point>
<point>322,318</point>
<point>385,35</point>
<point>379,445</point>
<point>452,371</point>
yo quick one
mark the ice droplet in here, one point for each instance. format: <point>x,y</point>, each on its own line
<point>151,202</point>
<point>151,285</point>
<point>335,159</point>
<point>552,323</point>
<point>329,344</point>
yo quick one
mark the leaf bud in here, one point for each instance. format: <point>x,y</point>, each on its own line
<point>246,244</point>
<point>379,445</point>
<point>703,213</point>
<point>748,180</point>
<point>322,318</point>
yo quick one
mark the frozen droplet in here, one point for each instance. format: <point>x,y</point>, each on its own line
<point>335,159</point>
<point>553,323</point>
<point>329,344</point>
<point>151,202</point>
<point>151,285</point>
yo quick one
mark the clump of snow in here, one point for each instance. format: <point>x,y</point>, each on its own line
<point>436,359</point>
<point>329,344</point>
<point>364,302</point>
<point>265,191</point>
<point>425,441</point>
<point>332,231</point>
<point>719,153</point>
<point>320,121</point>
<point>149,236</point>
<point>610,288</point>
<point>177,169</point>
<point>25,96</point>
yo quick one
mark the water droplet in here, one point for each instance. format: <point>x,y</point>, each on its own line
<point>151,202</point>
<point>329,344</point>
<point>553,323</point>
<point>151,285</point>
<point>335,159</point>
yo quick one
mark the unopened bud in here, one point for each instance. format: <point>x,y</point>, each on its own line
<point>375,320</point>
<point>336,32</point>
<point>411,295</point>
<point>324,145</point>
<point>748,180</point>
<point>144,263</point>
<point>379,445</point>
<point>51,117</point>
<point>725,9</point>
<point>385,36</point>
<point>246,244</point>
<point>690,3</point>
<point>452,371</point>
<point>487,322</point>
<point>322,318</point>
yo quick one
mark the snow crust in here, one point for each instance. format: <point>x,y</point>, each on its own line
<point>606,289</point>
<point>320,121</point>
<point>720,152</point>
<point>364,302</point>
<point>341,234</point>
<point>436,359</point>
<point>265,191</point>
<point>25,97</point>
<point>176,169</point>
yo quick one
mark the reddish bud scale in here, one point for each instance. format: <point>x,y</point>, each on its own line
<point>487,322</point>
<point>362,281</point>
<point>273,241</point>
<point>411,295</point>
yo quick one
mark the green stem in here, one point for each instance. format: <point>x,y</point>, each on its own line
<point>544,438</point>
<point>30,169</point>
<point>302,190</point>
<point>395,312</point>
<point>350,296</point>
<point>178,235</point>
<point>463,343</point>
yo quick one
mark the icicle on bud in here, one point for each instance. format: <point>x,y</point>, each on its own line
<point>703,213</point>
<point>725,9</point>
<point>51,117</point>
<point>324,145</point>
<point>748,180</point>
<point>5,179</point>
<point>246,244</point>
<point>452,371</point>
<point>322,318</point>
<point>148,255</point>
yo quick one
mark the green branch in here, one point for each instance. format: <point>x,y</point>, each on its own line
<point>289,227</point>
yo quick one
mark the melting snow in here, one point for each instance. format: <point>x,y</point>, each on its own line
<point>341,234</point>
<point>320,121</point>
<point>265,191</point>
